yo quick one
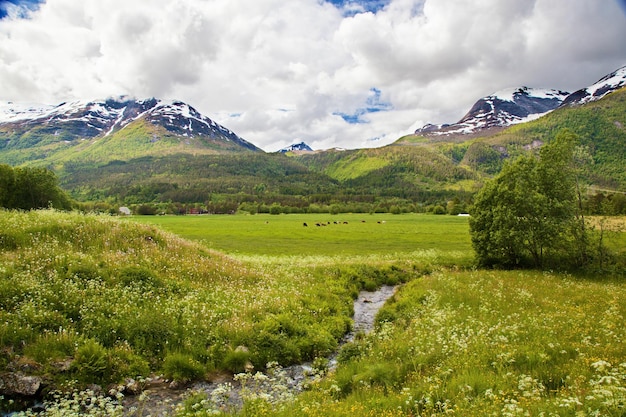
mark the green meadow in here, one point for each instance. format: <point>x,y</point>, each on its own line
<point>95,299</point>
<point>345,235</point>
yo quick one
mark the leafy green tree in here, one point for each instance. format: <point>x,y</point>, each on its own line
<point>529,214</point>
<point>276,209</point>
<point>7,185</point>
<point>31,188</point>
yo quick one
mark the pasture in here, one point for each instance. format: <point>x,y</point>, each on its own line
<point>345,235</point>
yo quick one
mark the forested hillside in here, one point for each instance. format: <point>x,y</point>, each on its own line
<point>601,126</point>
<point>145,164</point>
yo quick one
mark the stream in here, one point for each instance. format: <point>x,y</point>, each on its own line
<point>159,399</point>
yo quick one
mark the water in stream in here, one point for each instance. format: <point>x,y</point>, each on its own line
<point>161,400</point>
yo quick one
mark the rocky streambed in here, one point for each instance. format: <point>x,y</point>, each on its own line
<point>276,384</point>
<point>158,397</point>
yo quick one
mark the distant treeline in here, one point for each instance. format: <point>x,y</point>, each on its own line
<point>597,204</point>
<point>260,183</point>
<point>231,204</point>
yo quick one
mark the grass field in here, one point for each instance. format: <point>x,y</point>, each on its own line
<point>133,297</point>
<point>383,235</point>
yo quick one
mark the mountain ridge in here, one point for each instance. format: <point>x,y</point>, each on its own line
<point>499,110</point>
<point>296,147</point>
<point>50,127</point>
<point>141,161</point>
<point>493,113</point>
<point>605,85</point>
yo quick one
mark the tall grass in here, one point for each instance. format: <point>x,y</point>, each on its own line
<point>484,344</point>
<point>117,299</point>
<point>94,299</point>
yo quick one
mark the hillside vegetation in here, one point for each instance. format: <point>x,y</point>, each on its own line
<point>481,343</point>
<point>96,299</point>
<point>601,126</point>
<point>144,164</point>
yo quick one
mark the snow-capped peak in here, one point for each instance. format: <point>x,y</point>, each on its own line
<point>512,94</point>
<point>88,119</point>
<point>11,112</point>
<point>602,87</point>
<point>500,109</point>
<point>296,147</point>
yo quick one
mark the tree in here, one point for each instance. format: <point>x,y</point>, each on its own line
<point>31,188</point>
<point>529,214</point>
<point>7,185</point>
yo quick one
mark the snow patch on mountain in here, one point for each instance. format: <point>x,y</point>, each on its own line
<point>501,109</point>
<point>296,147</point>
<point>607,84</point>
<point>12,112</point>
<point>88,119</point>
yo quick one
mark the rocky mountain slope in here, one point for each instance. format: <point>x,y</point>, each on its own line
<point>50,128</point>
<point>607,84</point>
<point>501,109</point>
<point>514,106</point>
<point>136,151</point>
<point>297,147</point>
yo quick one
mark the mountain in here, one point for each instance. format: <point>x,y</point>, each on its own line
<point>600,125</point>
<point>501,109</point>
<point>52,129</point>
<point>150,151</point>
<point>297,147</point>
<point>609,83</point>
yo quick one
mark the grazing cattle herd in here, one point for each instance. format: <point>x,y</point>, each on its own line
<point>320,224</point>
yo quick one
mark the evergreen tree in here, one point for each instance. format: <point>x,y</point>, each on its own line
<point>7,185</point>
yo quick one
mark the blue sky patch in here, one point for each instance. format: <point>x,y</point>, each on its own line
<point>353,7</point>
<point>19,9</point>
<point>372,105</point>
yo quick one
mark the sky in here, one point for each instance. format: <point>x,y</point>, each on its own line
<point>331,73</point>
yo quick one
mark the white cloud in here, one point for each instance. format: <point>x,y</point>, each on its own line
<point>278,71</point>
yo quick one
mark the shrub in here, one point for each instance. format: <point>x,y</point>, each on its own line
<point>126,363</point>
<point>49,347</point>
<point>318,342</point>
<point>85,271</point>
<point>350,351</point>
<point>138,275</point>
<point>182,367</point>
<point>381,374</point>
<point>236,360</point>
<point>91,363</point>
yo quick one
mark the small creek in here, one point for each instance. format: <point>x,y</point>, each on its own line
<point>161,400</point>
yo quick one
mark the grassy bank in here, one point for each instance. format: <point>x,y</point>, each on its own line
<point>482,344</point>
<point>96,299</point>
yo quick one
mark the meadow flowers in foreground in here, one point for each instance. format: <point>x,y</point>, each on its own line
<point>485,343</point>
<point>93,299</point>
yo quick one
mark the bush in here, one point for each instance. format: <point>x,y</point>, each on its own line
<point>182,367</point>
<point>49,347</point>
<point>91,363</point>
<point>236,360</point>
<point>138,275</point>
<point>529,215</point>
<point>276,209</point>
<point>125,363</point>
